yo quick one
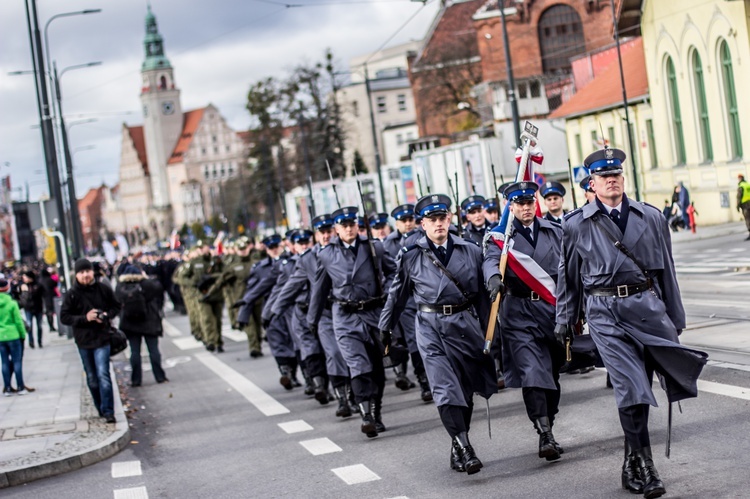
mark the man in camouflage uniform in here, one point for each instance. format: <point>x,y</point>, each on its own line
<point>203,272</point>
<point>189,293</point>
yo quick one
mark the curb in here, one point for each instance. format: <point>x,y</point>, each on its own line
<point>103,450</point>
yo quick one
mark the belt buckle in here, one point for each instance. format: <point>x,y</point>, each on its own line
<point>447,309</point>
<point>534,296</point>
<point>360,306</point>
<point>622,291</point>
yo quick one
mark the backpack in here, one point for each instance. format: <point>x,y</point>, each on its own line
<point>134,304</point>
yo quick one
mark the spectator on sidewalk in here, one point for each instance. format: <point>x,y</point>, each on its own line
<point>32,301</point>
<point>743,201</point>
<point>87,308</point>
<point>142,302</point>
<point>49,285</point>
<point>12,334</point>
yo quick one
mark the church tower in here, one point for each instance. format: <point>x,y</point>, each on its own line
<point>162,120</point>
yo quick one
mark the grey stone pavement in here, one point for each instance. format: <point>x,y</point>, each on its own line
<point>56,429</point>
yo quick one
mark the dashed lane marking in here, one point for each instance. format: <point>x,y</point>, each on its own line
<point>320,446</point>
<point>358,473</point>
<point>295,426</point>
<point>252,392</point>
<point>233,335</point>
<point>737,392</point>
<point>187,343</point>
<point>126,468</point>
<point>170,329</point>
<point>132,493</point>
<point>729,365</point>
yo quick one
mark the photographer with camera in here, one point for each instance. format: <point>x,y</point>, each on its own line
<point>88,307</point>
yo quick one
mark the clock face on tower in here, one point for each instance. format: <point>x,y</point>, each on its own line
<point>167,107</point>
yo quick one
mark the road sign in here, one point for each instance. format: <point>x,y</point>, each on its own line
<point>579,173</point>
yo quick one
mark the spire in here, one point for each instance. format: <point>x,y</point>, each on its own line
<point>153,45</point>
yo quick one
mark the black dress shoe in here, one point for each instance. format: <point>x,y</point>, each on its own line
<point>110,418</point>
<point>255,354</point>
<point>220,349</point>
<point>210,348</point>
<point>631,471</point>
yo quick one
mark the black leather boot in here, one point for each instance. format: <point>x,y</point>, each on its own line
<point>402,381</point>
<point>293,376</point>
<point>424,385</point>
<point>457,463</point>
<point>343,410</point>
<point>368,422</point>
<point>652,484</point>
<point>286,376</point>
<point>559,448</point>
<point>309,387</point>
<point>547,444</point>
<point>321,392</point>
<point>350,398</point>
<point>631,471</point>
<point>376,406</point>
<point>471,462</point>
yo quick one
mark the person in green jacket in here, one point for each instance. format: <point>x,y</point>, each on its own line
<point>12,335</point>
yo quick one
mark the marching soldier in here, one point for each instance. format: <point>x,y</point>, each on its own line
<point>531,356</point>
<point>477,225</point>
<point>228,258</point>
<point>263,277</point>
<point>379,226</point>
<point>190,295</point>
<point>491,213</point>
<point>206,272</point>
<point>553,194</point>
<point>443,273</point>
<point>617,258</point>
<point>356,280</point>
<point>588,191</point>
<point>394,243</point>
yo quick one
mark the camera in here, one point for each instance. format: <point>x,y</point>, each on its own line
<point>101,315</point>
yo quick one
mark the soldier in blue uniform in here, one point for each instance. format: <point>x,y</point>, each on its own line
<point>531,356</point>
<point>355,281</point>
<point>553,194</point>
<point>617,262</point>
<point>477,225</point>
<point>491,212</point>
<point>405,332</point>
<point>443,273</point>
<point>261,283</point>
<point>588,191</point>
<point>379,226</point>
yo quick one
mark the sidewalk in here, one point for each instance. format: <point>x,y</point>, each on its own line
<point>710,231</point>
<point>55,429</point>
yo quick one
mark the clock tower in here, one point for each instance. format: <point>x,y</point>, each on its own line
<point>162,121</point>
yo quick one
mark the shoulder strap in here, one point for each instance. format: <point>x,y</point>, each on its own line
<point>625,251</point>
<point>428,253</point>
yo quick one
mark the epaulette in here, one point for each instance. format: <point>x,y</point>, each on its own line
<point>406,249</point>
<point>650,206</point>
<point>571,213</point>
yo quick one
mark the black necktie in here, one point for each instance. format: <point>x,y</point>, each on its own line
<point>527,231</point>
<point>615,216</point>
<point>353,249</point>
<point>441,254</point>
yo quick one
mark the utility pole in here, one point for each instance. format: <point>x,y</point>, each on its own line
<point>306,155</point>
<point>511,80</point>
<point>270,198</point>
<point>375,139</point>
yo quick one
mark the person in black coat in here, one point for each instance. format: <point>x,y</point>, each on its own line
<point>49,286</point>
<point>32,301</point>
<point>140,318</point>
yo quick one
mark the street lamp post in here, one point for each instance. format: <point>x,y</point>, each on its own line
<point>511,80</point>
<point>374,139</point>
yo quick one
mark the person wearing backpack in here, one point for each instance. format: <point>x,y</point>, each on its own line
<point>140,318</point>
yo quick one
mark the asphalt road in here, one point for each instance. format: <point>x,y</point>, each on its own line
<point>201,436</point>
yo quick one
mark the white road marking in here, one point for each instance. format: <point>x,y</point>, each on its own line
<point>729,365</point>
<point>132,493</point>
<point>295,426</point>
<point>713,303</point>
<point>233,335</point>
<point>187,343</point>
<point>320,446</point>
<point>737,250</point>
<point>737,392</point>
<point>358,473</point>
<point>252,392</point>
<point>126,468</point>
<point>170,329</point>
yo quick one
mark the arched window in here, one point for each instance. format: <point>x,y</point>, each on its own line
<point>730,100</point>
<point>674,102</point>
<point>560,37</point>
<point>699,88</point>
<point>162,82</point>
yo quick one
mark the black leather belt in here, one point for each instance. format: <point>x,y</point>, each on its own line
<point>445,309</point>
<point>523,293</point>
<point>622,291</point>
<point>361,306</point>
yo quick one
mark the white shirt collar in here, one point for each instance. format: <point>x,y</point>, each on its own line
<point>347,246</point>
<point>610,208</point>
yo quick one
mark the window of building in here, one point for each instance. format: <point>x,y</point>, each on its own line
<point>579,148</point>
<point>611,136</point>
<point>634,145</point>
<point>535,88</point>
<point>203,151</point>
<point>699,88</point>
<point>651,143</point>
<point>399,139</point>
<point>228,148</point>
<point>402,102</point>
<point>355,109</point>
<point>560,37</point>
<point>381,104</point>
<point>213,139</point>
<point>674,101</point>
<point>730,100</point>
<point>522,91</point>
<point>594,140</point>
<point>216,150</point>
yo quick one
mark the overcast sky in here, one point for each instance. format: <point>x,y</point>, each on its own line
<point>217,49</point>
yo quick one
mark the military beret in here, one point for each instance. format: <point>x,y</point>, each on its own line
<point>433,204</point>
<point>521,191</point>
<point>552,187</point>
<point>605,162</point>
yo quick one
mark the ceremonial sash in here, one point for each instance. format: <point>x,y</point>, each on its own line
<point>530,273</point>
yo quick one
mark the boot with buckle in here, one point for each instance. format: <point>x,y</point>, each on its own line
<point>547,444</point>
<point>343,410</point>
<point>471,462</point>
<point>402,381</point>
<point>631,471</point>
<point>286,376</point>
<point>424,385</point>
<point>457,462</point>
<point>652,485</point>
<point>376,406</point>
<point>320,387</point>
<point>368,422</point>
